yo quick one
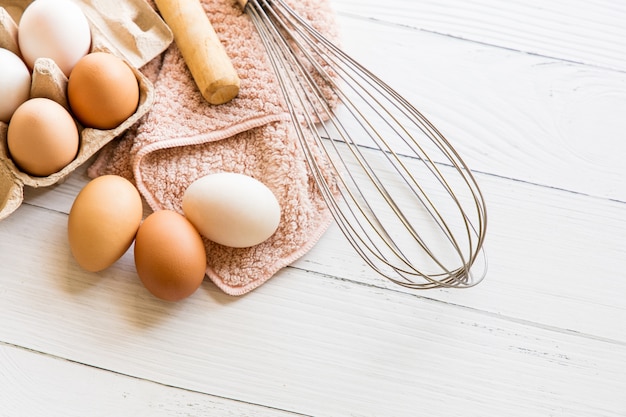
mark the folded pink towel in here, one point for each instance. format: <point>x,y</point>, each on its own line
<point>183,138</point>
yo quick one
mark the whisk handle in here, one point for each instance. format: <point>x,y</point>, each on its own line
<point>204,54</point>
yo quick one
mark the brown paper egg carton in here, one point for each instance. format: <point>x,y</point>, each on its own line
<point>130,29</point>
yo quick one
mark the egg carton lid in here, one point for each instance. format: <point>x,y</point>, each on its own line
<point>130,28</point>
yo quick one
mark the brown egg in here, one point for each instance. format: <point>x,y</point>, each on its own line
<point>102,91</point>
<point>169,255</point>
<point>103,221</point>
<point>42,137</point>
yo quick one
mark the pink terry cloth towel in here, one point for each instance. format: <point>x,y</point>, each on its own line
<point>183,138</point>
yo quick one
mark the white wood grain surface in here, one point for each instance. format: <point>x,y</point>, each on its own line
<point>533,94</point>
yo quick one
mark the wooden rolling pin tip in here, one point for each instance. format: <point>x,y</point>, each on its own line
<point>221,91</point>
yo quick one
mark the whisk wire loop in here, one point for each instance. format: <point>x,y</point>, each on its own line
<point>397,189</point>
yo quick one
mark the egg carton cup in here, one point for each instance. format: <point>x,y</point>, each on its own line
<point>129,29</point>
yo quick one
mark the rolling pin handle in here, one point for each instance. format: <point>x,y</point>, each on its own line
<point>204,54</point>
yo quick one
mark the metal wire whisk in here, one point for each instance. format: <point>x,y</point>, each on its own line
<point>398,190</point>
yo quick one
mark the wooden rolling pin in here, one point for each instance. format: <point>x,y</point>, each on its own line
<point>204,54</point>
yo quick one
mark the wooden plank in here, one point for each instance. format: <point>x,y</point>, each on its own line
<point>544,247</point>
<point>34,384</point>
<point>514,115</point>
<point>553,256</point>
<point>589,32</point>
<point>307,343</point>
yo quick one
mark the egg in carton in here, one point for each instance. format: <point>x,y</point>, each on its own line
<point>129,29</point>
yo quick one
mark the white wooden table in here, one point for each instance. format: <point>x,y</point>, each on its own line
<point>533,94</point>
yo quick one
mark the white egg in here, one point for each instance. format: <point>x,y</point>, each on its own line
<point>232,209</point>
<point>14,83</point>
<point>56,29</point>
